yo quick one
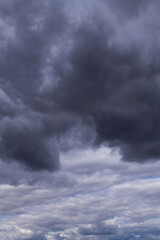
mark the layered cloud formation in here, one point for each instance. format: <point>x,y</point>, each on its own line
<point>95,196</point>
<point>79,78</point>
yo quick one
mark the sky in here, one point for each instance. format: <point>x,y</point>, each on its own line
<point>79,119</point>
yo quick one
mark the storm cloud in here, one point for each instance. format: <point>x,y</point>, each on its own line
<point>79,112</point>
<point>116,86</point>
<point>92,65</point>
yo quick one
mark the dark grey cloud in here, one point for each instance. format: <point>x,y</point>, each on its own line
<point>74,77</point>
<point>26,144</point>
<point>91,65</point>
<point>23,58</point>
<point>115,87</point>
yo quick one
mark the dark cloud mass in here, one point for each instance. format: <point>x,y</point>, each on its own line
<point>79,110</point>
<point>93,65</point>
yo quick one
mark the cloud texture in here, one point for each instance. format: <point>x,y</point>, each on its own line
<point>79,92</point>
<point>91,65</point>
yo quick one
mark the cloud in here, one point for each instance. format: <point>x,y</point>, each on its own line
<point>70,202</point>
<point>25,143</point>
<point>14,232</point>
<point>111,85</point>
<point>97,229</point>
<point>38,237</point>
<point>79,93</point>
<point>23,137</point>
<point>79,68</point>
